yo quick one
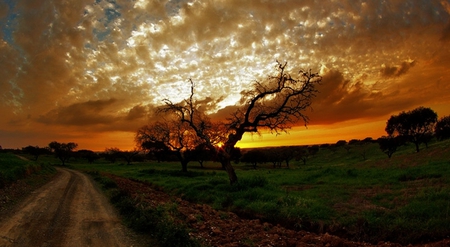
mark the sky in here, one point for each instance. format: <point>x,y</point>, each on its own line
<point>93,71</point>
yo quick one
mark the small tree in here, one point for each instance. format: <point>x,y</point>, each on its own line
<point>288,153</point>
<point>201,153</point>
<point>63,151</point>
<point>275,104</point>
<point>442,129</point>
<point>354,141</point>
<point>111,154</point>
<point>155,149</point>
<point>128,156</point>
<point>178,136</point>
<point>341,143</point>
<point>89,155</point>
<point>362,148</point>
<point>304,153</point>
<point>35,151</point>
<point>416,126</point>
<point>389,144</point>
<point>274,156</point>
<point>254,157</point>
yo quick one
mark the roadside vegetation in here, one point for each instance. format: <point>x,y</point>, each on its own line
<point>13,168</point>
<point>159,222</point>
<point>354,191</point>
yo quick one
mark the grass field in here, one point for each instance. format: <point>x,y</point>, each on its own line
<point>14,167</point>
<point>404,199</point>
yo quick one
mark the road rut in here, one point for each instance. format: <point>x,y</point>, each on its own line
<point>68,211</point>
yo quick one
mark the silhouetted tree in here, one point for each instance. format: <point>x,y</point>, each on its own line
<point>442,129</point>
<point>362,148</point>
<point>176,135</point>
<point>35,151</point>
<point>274,156</point>
<point>341,143</point>
<point>353,141</point>
<point>416,126</point>
<point>287,154</point>
<point>389,144</point>
<point>275,104</point>
<point>254,157</point>
<point>304,153</point>
<point>368,140</point>
<point>201,153</point>
<point>63,151</point>
<point>89,155</point>
<point>128,156</point>
<point>156,149</point>
<point>111,154</point>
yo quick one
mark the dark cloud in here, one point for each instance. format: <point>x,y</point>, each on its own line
<point>136,112</point>
<point>82,114</point>
<point>390,71</point>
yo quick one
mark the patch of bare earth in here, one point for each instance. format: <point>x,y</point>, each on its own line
<point>220,228</point>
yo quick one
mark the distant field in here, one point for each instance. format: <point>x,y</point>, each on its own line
<point>404,199</point>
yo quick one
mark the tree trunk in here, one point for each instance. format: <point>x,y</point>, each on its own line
<point>226,163</point>
<point>224,156</point>
<point>184,161</point>
<point>184,166</point>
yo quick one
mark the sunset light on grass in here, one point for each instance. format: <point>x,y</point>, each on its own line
<point>94,71</point>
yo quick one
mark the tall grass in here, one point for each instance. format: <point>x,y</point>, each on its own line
<point>367,197</point>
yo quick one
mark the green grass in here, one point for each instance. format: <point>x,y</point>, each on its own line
<point>404,199</point>
<point>13,168</point>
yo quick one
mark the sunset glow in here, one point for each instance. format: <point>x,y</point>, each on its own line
<point>93,71</point>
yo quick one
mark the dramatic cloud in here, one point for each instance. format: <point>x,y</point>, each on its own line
<point>88,66</point>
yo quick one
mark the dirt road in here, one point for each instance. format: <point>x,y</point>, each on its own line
<point>67,211</point>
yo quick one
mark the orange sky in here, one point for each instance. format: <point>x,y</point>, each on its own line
<point>92,72</point>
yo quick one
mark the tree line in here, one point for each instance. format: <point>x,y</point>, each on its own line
<point>417,126</point>
<point>169,142</point>
<point>65,151</point>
